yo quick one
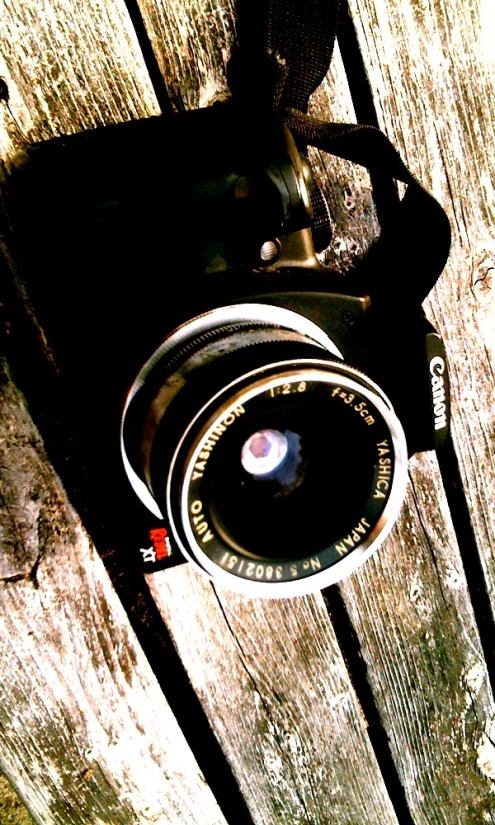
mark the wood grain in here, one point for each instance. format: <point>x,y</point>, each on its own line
<point>432,71</point>
<point>412,614</point>
<point>277,694</point>
<point>69,66</point>
<point>192,40</point>
<point>86,734</point>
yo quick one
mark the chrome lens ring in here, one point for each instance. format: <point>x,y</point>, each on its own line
<point>232,314</point>
<point>224,561</point>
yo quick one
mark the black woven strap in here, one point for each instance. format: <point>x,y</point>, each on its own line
<point>415,241</point>
<point>302,33</point>
<point>284,49</point>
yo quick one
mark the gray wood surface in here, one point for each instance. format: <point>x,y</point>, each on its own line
<point>277,693</point>
<point>85,732</point>
<point>282,699</point>
<point>191,40</point>
<point>417,634</point>
<point>432,70</point>
<point>68,67</point>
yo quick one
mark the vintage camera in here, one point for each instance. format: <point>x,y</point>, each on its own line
<point>268,435</point>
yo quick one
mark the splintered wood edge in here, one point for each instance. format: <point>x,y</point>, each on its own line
<point>192,40</point>
<point>85,729</point>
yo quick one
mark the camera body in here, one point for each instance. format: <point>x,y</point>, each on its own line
<point>271,347</point>
<point>268,432</point>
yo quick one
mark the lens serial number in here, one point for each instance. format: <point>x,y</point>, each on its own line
<point>349,398</point>
<point>250,569</point>
<point>268,572</point>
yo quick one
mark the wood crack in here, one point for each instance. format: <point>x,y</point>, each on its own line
<point>17,578</point>
<point>429,544</point>
<point>349,644</point>
<point>469,554</point>
<point>273,726</point>
<point>452,197</point>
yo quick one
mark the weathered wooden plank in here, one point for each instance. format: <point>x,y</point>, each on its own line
<point>415,46</point>
<point>192,40</point>
<point>86,734</point>
<point>432,72</point>
<point>276,691</point>
<point>394,647</point>
<point>424,701</point>
<point>411,611</point>
<point>68,67</point>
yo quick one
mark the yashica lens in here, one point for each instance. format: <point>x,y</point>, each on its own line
<point>279,468</point>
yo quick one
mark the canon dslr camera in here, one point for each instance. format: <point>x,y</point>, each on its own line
<point>269,433</point>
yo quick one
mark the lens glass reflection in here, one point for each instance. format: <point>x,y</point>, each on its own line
<point>264,453</point>
<point>291,476</point>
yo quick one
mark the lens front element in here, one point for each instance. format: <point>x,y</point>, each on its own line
<point>288,479</point>
<point>264,453</point>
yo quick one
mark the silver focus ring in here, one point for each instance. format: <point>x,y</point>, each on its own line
<point>233,314</point>
<point>352,382</point>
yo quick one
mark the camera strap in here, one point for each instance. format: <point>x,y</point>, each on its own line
<point>284,52</point>
<point>415,241</point>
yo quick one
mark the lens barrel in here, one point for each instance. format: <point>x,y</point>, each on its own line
<point>279,467</point>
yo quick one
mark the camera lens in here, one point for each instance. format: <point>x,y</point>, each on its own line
<point>279,468</point>
<point>264,453</point>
